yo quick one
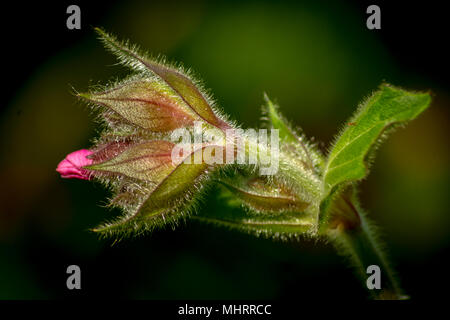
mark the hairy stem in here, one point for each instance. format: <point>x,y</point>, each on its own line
<point>361,246</point>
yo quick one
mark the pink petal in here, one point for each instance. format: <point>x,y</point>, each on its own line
<point>72,165</point>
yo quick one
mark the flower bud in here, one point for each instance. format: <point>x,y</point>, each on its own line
<point>134,155</point>
<point>173,96</point>
<point>150,161</point>
<point>264,195</point>
<point>145,103</point>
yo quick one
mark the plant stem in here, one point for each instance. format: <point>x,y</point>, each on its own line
<point>359,243</point>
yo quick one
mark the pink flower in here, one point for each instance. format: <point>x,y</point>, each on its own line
<point>72,165</point>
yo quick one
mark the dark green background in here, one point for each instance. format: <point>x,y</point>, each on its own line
<point>317,59</point>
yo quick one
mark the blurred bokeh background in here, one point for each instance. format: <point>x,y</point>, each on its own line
<point>317,59</point>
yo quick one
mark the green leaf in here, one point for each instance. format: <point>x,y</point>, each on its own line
<point>348,159</point>
<point>308,154</point>
<point>178,80</point>
<point>286,133</point>
<point>281,225</point>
